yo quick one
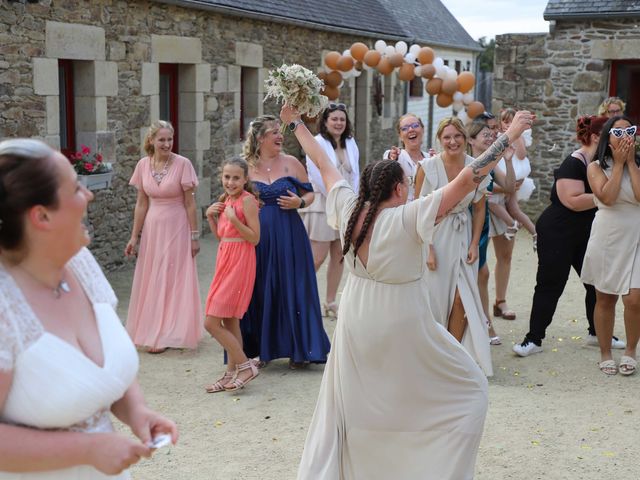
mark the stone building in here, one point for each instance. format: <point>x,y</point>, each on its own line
<point>98,72</point>
<point>591,52</point>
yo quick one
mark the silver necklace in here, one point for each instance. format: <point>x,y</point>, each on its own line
<point>159,176</point>
<point>58,290</point>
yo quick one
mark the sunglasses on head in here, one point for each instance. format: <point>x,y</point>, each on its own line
<point>337,106</point>
<point>414,125</point>
<point>619,132</point>
<point>486,116</point>
<point>614,111</point>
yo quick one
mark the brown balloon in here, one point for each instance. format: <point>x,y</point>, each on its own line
<point>322,76</point>
<point>466,81</point>
<point>345,63</point>
<point>333,79</point>
<point>444,100</point>
<point>385,67</point>
<point>372,58</point>
<point>396,59</point>
<point>426,55</point>
<point>474,109</point>
<point>407,72</point>
<point>359,50</point>
<point>449,86</point>
<point>332,93</point>
<point>331,60</point>
<point>433,86</point>
<point>428,71</point>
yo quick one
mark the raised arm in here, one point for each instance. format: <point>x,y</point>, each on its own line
<point>330,174</point>
<point>469,178</point>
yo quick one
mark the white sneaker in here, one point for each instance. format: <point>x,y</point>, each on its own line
<point>615,342</point>
<point>526,348</point>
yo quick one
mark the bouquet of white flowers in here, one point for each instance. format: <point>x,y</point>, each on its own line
<point>298,87</point>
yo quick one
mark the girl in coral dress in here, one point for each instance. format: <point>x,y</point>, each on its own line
<point>234,220</point>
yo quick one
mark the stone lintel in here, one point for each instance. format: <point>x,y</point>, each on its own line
<point>74,41</point>
<point>175,49</point>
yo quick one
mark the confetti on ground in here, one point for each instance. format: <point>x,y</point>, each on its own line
<point>609,454</point>
<point>585,447</point>
<point>578,337</point>
<point>560,339</point>
<point>236,399</point>
<point>554,349</point>
<point>535,442</point>
<point>219,424</point>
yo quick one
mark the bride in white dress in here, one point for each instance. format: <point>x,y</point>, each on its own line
<point>400,397</point>
<point>66,362</point>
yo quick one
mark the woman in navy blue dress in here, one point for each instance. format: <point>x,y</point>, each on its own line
<point>284,319</point>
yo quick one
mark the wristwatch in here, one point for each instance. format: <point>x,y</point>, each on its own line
<point>293,125</point>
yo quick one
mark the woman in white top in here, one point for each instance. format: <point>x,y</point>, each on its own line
<point>66,361</point>
<point>411,132</point>
<point>336,138</point>
<point>400,397</point>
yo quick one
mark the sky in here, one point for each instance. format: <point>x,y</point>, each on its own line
<point>488,18</point>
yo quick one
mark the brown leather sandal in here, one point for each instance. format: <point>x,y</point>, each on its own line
<point>499,312</point>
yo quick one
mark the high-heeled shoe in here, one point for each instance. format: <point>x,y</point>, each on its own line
<point>236,383</point>
<point>330,309</point>
<point>512,230</point>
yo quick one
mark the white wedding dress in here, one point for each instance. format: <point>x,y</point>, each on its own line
<point>55,386</point>
<point>400,398</point>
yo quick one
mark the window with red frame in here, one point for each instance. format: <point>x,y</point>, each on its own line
<point>625,78</point>
<point>169,95</point>
<point>67,108</point>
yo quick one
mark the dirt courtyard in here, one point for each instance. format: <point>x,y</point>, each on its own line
<point>551,416</point>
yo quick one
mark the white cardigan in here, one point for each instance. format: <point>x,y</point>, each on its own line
<point>353,155</point>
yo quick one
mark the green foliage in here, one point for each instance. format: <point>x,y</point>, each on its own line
<point>485,59</point>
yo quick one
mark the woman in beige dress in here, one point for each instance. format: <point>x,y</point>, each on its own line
<point>452,263</point>
<point>400,397</point>
<point>612,261</point>
<point>337,140</point>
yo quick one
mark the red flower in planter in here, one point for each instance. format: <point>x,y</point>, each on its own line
<point>87,163</point>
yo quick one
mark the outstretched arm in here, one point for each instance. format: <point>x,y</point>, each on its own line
<point>471,176</point>
<point>312,148</point>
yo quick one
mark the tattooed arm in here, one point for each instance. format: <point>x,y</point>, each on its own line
<point>471,176</point>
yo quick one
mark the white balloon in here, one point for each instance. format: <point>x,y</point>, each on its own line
<point>410,58</point>
<point>389,50</point>
<point>438,62</point>
<point>458,106</point>
<point>418,71</point>
<point>464,118</point>
<point>380,45</point>
<point>347,75</point>
<point>357,73</point>
<point>346,53</point>
<point>457,97</point>
<point>467,98</point>
<point>401,47</point>
<point>451,74</point>
<point>366,67</point>
<point>441,72</point>
<point>341,83</point>
<point>415,49</point>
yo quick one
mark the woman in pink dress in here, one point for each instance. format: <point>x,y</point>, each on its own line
<point>164,310</point>
<point>234,220</point>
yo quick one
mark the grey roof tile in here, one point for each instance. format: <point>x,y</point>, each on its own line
<point>425,21</point>
<point>581,9</point>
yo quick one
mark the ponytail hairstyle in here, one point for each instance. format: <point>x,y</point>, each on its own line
<point>152,131</point>
<point>238,161</point>
<point>603,152</point>
<point>27,178</point>
<point>257,129</point>
<point>588,125</point>
<point>377,182</point>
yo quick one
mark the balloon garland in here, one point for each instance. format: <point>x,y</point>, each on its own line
<point>442,81</point>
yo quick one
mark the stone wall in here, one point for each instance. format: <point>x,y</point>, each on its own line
<point>122,42</point>
<point>559,76</point>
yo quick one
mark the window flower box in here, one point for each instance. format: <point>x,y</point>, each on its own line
<point>92,172</point>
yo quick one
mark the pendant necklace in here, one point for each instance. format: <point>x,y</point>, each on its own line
<point>58,290</point>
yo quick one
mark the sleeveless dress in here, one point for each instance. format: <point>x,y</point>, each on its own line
<point>55,386</point>
<point>232,285</point>
<point>400,398</point>
<point>612,261</point>
<point>284,319</point>
<point>451,239</point>
<point>165,308</point>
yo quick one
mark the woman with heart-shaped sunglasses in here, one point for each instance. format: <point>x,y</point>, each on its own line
<point>612,261</point>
